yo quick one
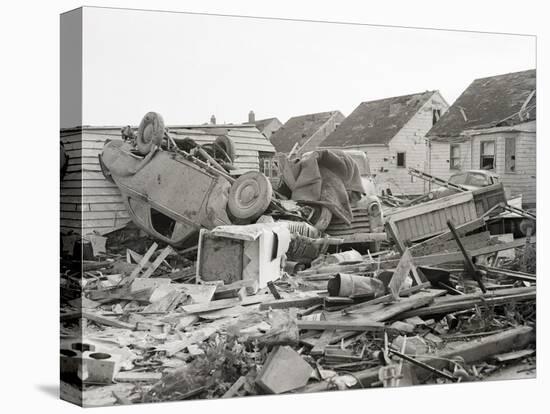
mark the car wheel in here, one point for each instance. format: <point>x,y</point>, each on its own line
<point>150,132</point>
<point>249,196</point>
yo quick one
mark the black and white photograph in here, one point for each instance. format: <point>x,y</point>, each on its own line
<point>254,206</point>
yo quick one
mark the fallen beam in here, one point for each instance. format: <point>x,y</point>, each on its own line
<point>357,325</point>
<point>292,303</point>
<point>463,302</point>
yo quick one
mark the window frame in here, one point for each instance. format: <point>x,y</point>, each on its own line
<point>404,159</point>
<point>451,158</point>
<point>507,162</point>
<point>436,115</point>
<point>481,156</point>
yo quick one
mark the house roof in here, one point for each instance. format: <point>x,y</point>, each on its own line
<point>377,122</point>
<point>299,129</point>
<point>490,102</point>
<point>262,123</point>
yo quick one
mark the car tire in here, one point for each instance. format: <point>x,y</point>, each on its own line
<point>322,218</point>
<point>150,132</point>
<point>249,197</point>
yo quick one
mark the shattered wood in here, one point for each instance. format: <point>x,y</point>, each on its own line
<point>167,335</point>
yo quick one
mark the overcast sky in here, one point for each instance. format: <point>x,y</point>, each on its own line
<point>188,67</point>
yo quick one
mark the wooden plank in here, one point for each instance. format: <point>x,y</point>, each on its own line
<point>431,206</point>
<point>87,183</point>
<point>467,302</point>
<point>87,191</point>
<point>107,207</point>
<point>384,313</point>
<point>234,389</point>
<point>96,223</point>
<point>149,272</point>
<point>324,340</point>
<point>107,321</point>
<point>223,304</point>
<point>129,376</point>
<point>292,303</point>
<point>497,272</point>
<point>400,274</point>
<point>512,356</point>
<point>364,325</point>
<point>92,215</point>
<point>144,260</point>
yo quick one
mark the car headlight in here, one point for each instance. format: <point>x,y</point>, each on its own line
<point>374,209</point>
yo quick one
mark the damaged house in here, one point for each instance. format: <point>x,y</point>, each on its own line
<point>305,132</point>
<point>392,133</point>
<point>491,126</point>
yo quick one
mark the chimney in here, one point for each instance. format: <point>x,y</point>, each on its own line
<point>251,117</point>
<point>213,120</point>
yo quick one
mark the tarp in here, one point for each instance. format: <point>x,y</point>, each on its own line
<point>325,177</point>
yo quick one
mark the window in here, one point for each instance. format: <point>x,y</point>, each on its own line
<point>436,114</point>
<point>268,165</point>
<point>401,159</point>
<point>487,161</point>
<point>510,155</point>
<point>454,157</point>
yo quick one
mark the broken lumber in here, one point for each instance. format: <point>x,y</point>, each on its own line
<point>151,269</point>
<point>128,376</point>
<point>404,266</point>
<point>399,307</point>
<point>96,318</point>
<point>472,351</point>
<point>292,303</point>
<point>512,356</point>
<point>222,304</point>
<point>355,325</point>
<point>144,260</point>
<point>450,304</point>
<point>496,272</point>
<point>237,385</point>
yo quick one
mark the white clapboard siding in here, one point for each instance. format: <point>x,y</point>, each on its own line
<point>89,202</point>
<point>246,139</point>
<point>521,181</point>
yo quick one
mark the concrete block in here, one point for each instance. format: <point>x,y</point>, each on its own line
<point>284,370</point>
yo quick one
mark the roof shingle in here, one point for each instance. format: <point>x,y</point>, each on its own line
<point>489,102</point>
<point>377,122</point>
<point>299,129</point>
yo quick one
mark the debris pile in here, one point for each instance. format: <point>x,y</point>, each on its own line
<point>225,287</point>
<point>146,331</point>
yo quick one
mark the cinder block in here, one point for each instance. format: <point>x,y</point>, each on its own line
<point>99,367</point>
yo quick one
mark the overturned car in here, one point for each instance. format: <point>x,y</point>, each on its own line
<point>174,187</point>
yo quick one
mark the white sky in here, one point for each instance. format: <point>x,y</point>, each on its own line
<point>188,67</point>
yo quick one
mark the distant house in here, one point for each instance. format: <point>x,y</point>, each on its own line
<point>266,126</point>
<point>305,131</point>
<point>85,189</point>
<point>491,126</point>
<point>392,133</point>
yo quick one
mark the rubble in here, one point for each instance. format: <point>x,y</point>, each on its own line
<point>146,320</point>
